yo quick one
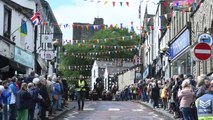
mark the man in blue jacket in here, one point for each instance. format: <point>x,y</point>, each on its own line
<point>5,99</point>
<point>12,99</point>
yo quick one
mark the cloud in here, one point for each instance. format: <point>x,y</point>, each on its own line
<point>86,11</point>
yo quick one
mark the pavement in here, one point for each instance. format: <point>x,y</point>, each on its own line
<point>159,110</point>
<point>71,106</point>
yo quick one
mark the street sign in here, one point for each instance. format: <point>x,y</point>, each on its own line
<point>205,38</point>
<point>202,51</point>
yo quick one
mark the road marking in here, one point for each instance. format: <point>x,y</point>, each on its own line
<point>75,113</point>
<point>137,110</point>
<point>150,112</point>
<point>89,109</point>
<point>113,109</point>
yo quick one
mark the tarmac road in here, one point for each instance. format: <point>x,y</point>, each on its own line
<point>112,110</point>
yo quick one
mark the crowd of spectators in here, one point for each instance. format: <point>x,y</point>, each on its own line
<point>176,95</point>
<point>33,97</point>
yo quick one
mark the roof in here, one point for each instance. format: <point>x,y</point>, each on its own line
<point>115,70</point>
<point>104,64</point>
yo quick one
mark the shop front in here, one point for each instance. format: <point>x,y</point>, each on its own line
<point>180,54</point>
<point>25,59</point>
<point>6,55</point>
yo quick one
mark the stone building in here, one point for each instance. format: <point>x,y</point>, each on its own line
<point>85,31</point>
<point>202,22</point>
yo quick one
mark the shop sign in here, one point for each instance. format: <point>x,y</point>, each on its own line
<point>48,55</point>
<point>47,38</point>
<point>205,38</point>
<point>146,73</point>
<point>23,57</point>
<point>180,44</point>
<point>7,49</point>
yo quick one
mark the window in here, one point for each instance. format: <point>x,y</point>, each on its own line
<point>49,45</point>
<point>7,22</point>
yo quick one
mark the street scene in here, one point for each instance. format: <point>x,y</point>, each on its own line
<point>106,60</point>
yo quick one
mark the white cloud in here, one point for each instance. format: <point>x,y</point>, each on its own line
<point>86,11</point>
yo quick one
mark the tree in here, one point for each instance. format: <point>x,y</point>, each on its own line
<point>78,55</point>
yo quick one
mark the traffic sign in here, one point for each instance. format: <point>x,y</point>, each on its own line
<point>205,38</point>
<point>202,51</point>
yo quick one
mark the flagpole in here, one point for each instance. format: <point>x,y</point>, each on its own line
<point>35,43</point>
<point>98,9</point>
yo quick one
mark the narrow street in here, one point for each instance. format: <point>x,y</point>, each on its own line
<point>112,110</point>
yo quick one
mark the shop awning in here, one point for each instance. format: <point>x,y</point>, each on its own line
<point>18,67</point>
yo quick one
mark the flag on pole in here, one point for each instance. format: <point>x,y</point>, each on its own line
<point>36,19</point>
<point>23,29</point>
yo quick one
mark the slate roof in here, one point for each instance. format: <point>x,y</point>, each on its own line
<point>103,64</point>
<point>112,69</point>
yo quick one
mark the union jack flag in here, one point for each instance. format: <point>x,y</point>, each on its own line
<point>36,19</point>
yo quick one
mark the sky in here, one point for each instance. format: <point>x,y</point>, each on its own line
<point>84,11</point>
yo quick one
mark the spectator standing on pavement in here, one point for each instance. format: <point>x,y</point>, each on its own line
<point>201,87</point>
<point>45,102</point>
<point>81,88</point>
<point>186,97</point>
<point>1,103</point>
<point>60,98</point>
<point>49,86</point>
<point>204,105</point>
<point>155,95</point>
<point>12,99</point>
<point>23,102</point>
<point>65,88</point>
<point>37,97</point>
<point>164,95</point>
<point>5,96</point>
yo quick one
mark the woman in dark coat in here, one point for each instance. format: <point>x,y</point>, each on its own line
<point>155,95</point>
<point>23,102</point>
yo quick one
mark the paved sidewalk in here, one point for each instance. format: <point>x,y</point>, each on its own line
<point>71,106</point>
<point>159,110</point>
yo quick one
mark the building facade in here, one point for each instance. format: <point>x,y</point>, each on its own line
<point>202,22</point>
<point>176,32</point>
<point>22,50</point>
<point>16,37</point>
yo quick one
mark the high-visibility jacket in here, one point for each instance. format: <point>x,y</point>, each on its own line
<point>204,106</point>
<point>81,85</point>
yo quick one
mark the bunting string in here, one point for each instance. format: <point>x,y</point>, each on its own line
<point>115,47</point>
<point>100,53</point>
<point>121,38</point>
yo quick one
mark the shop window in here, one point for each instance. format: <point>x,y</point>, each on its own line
<point>7,22</point>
